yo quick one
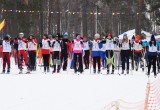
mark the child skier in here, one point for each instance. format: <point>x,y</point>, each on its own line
<point>86,52</point>
<point>32,48</point>
<point>152,55</point>
<point>95,46</point>
<point>57,54</point>
<point>78,49</point>
<point>6,44</point>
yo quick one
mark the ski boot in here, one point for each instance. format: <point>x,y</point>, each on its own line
<point>122,72</point>
<point>107,71</point>
<point>99,71</point>
<point>54,69</point>
<point>3,72</point>
<point>58,69</point>
<point>127,71</point>
<point>8,71</point>
<point>112,72</point>
<point>94,71</point>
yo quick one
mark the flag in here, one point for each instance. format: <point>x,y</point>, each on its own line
<point>2,24</point>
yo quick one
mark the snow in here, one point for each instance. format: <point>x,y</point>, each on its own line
<point>68,91</point>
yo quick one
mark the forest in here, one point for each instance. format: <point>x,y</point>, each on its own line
<point>85,17</point>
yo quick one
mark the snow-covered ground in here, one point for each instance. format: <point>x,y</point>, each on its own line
<point>67,91</point>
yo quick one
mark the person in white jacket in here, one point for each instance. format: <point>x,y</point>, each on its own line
<point>6,44</point>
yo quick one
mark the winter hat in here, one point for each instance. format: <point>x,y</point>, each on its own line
<point>125,34</point>
<point>97,35</point>
<point>21,34</point>
<point>109,34</point>
<point>133,37</point>
<point>84,37</point>
<point>153,38</point>
<point>65,34</point>
<point>137,37</point>
<point>6,37</point>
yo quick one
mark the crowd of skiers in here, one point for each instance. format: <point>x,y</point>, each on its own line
<point>106,52</point>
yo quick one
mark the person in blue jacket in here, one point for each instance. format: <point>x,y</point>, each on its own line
<point>103,51</point>
<point>145,45</point>
<point>158,58</point>
<point>95,47</point>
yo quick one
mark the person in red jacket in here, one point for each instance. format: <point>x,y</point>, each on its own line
<point>6,44</point>
<point>32,48</point>
<point>22,51</point>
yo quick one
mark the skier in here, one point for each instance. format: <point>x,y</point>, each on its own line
<point>32,48</point>
<point>95,46</point>
<point>52,39</point>
<point>65,47</point>
<point>22,51</point>
<point>57,54</point>
<point>71,54</point>
<point>132,52</point>
<point>116,53</point>
<point>158,58</point>
<point>6,44</point>
<point>46,44</point>
<point>15,50</point>
<point>152,55</point>
<point>78,50</point>
<point>145,45</point>
<point>109,53</point>
<point>103,51</point>
<point>138,51</point>
<point>86,52</point>
<point>125,52</point>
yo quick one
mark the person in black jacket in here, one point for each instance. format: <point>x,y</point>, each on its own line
<point>64,57</point>
<point>152,55</point>
<point>57,53</point>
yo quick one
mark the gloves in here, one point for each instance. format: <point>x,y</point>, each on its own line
<point>49,43</point>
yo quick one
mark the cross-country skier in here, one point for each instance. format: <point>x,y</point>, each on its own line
<point>52,39</point>
<point>116,52</point>
<point>46,44</point>
<point>65,47</point>
<point>86,52</point>
<point>95,46</point>
<point>138,52</point>
<point>158,58</point>
<point>32,48</point>
<point>152,55</point>
<point>6,44</point>
<point>103,52</point>
<point>22,51</point>
<point>78,51</point>
<point>110,53</point>
<point>125,52</point>
<point>132,52</point>
<point>57,54</point>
